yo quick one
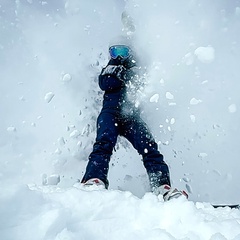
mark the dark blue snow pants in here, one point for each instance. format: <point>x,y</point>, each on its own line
<point>110,124</point>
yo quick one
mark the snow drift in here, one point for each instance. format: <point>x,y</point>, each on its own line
<point>78,213</point>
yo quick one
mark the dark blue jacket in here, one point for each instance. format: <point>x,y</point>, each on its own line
<point>115,89</point>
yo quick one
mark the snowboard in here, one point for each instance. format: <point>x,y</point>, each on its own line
<point>237,206</point>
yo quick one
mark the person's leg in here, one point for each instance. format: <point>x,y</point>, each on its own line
<point>137,132</point>
<point>107,132</point>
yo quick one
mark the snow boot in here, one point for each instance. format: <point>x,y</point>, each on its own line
<point>170,193</point>
<point>94,182</point>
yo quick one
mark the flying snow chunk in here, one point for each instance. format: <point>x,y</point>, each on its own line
<point>75,134</point>
<point>128,23</point>
<point>193,118</point>
<point>66,78</point>
<point>169,95</point>
<point>58,151</point>
<point>186,179</point>
<point>11,129</point>
<point>232,108</point>
<point>61,141</point>
<point>172,121</point>
<point>53,179</point>
<point>195,101</point>
<point>202,155</point>
<point>189,188</point>
<point>205,54</point>
<point>188,59</point>
<point>49,96</point>
<point>154,98</point>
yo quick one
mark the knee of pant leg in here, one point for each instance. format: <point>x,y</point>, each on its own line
<point>103,147</point>
<point>152,157</point>
<point>155,164</point>
<point>148,148</point>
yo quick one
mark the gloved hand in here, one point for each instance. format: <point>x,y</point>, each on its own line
<point>118,71</point>
<point>115,76</point>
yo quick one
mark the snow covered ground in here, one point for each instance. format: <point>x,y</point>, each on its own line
<point>76,213</point>
<point>50,55</point>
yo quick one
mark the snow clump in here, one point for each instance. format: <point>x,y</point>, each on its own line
<point>205,54</point>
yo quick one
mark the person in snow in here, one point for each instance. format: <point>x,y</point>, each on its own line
<point>120,116</point>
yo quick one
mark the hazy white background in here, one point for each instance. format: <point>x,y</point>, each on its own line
<point>57,48</point>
